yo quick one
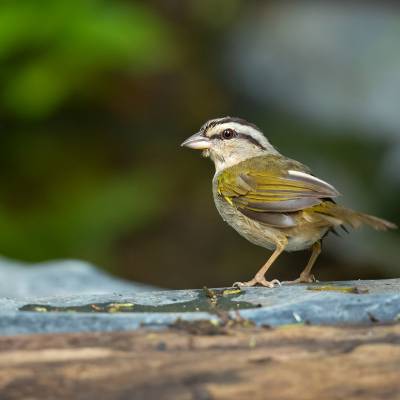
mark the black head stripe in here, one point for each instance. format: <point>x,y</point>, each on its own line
<point>219,121</point>
<point>251,140</point>
<point>242,136</point>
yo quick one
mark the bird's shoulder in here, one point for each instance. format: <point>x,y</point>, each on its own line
<point>273,178</point>
<point>269,164</point>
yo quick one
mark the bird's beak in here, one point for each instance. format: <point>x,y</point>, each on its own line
<point>197,142</point>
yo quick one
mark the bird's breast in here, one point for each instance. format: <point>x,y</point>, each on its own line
<point>254,232</point>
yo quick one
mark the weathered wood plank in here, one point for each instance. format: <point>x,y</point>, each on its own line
<point>293,362</point>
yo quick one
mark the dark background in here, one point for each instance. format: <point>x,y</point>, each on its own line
<point>96,97</point>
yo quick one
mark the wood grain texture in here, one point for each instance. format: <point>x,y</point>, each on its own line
<point>293,362</point>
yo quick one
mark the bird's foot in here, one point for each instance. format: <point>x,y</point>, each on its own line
<point>258,281</point>
<point>303,278</point>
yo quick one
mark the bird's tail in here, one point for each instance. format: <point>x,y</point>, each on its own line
<point>337,215</point>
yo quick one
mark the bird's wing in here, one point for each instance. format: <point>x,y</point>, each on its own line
<point>265,187</point>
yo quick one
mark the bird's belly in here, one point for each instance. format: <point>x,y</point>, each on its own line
<point>254,232</point>
<point>304,239</point>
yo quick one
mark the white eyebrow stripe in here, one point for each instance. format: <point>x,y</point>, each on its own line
<point>246,129</point>
<point>312,178</point>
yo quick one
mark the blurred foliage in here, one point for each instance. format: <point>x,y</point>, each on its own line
<point>63,206</point>
<point>61,194</point>
<point>53,50</point>
<point>96,97</point>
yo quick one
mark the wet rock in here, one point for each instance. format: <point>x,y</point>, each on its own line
<point>351,302</point>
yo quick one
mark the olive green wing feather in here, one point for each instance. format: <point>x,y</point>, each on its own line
<point>264,188</point>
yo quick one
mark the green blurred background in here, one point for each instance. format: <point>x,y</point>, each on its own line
<point>96,97</point>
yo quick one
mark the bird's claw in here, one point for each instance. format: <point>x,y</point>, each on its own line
<point>258,281</point>
<point>302,279</point>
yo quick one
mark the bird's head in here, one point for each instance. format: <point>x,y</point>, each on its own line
<point>228,141</point>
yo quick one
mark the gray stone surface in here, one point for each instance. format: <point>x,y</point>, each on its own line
<point>58,278</point>
<point>352,302</point>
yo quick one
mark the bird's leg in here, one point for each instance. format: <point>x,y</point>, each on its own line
<point>259,278</point>
<point>306,276</point>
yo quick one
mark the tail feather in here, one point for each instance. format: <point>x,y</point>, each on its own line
<point>337,215</point>
<point>375,222</point>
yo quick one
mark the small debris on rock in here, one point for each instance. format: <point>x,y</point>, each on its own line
<point>340,289</point>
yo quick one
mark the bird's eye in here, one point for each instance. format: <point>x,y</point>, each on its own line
<point>228,134</point>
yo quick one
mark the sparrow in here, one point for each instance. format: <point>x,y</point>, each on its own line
<point>273,201</point>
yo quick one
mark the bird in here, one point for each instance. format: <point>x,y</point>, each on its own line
<point>271,200</point>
